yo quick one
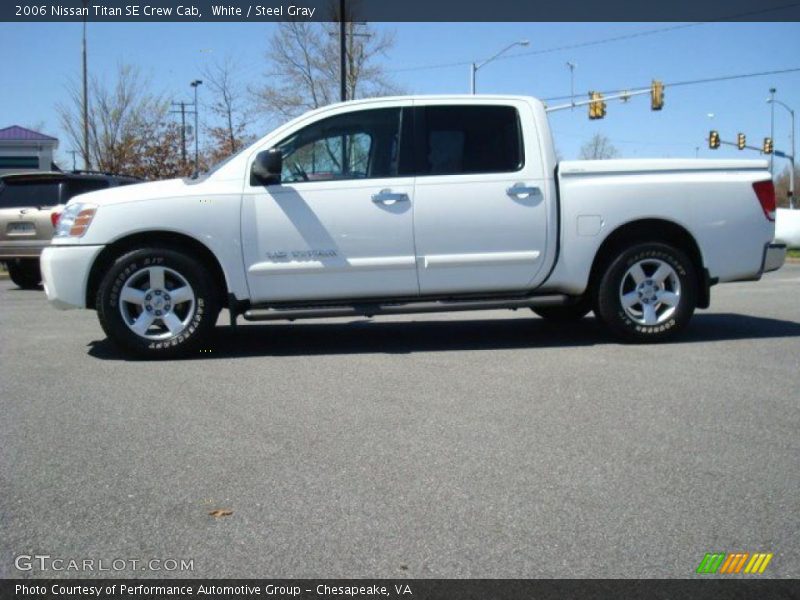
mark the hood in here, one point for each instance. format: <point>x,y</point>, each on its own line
<point>134,192</point>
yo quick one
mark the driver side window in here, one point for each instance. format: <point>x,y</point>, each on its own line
<point>357,145</point>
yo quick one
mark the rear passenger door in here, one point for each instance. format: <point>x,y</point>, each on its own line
<point>480,216</point>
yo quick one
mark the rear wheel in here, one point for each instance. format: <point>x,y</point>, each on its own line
<point>157,303</point>
<point>648,293</point>
<point>25,273</point>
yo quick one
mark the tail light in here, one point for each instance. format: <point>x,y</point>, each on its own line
<point>54,217</point>
<point>765,191</point>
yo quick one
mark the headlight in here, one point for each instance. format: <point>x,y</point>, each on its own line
<point>75,220</point>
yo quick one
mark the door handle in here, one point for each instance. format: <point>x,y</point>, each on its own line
<point>520,190</point>
<point>387,196</point>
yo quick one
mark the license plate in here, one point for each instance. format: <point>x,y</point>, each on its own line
<point>22,227</point>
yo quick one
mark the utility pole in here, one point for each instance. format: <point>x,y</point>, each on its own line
<point>86,162</point>
<point>73,153</point>
<point>195,84</point>
<point>342,52</point>
<point>182,112</point>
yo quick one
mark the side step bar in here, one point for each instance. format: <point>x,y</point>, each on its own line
<point>369,310</point>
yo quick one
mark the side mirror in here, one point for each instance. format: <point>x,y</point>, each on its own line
<point>267,168</point>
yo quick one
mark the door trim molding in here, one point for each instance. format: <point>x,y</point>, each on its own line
<point>483,259</point>
<point>331,266</point>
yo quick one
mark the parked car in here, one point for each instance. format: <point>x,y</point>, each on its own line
<point>407,205</point>
<point>30,205</point>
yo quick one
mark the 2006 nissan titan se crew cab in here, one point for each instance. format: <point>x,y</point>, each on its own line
<point>406,205</point>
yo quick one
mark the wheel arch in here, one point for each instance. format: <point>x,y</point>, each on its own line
<point>652,230</point>
<point>164,239</point>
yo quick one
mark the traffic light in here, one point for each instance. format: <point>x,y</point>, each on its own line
<point>713,139</point>
<point>740,141</point>
<point>768,147</point>
<point>656,95</point>
<point>597,108</point>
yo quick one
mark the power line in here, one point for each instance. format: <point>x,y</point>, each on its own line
<point>618,38</point>
<point>553,49</point>
<point>693,82</point>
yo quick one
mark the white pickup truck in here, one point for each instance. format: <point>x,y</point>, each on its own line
<point>408,205</point>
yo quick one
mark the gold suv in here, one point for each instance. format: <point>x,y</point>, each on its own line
<point>30,205</point>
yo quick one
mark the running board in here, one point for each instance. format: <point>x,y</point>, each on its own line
<point>370,310</point>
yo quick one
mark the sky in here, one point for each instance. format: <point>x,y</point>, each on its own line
<point>46,56</point>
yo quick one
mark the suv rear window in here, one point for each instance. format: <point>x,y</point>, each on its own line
<point>471,139</point>
<point>20,194</point>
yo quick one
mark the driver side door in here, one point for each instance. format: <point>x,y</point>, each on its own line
<point>339,224</point>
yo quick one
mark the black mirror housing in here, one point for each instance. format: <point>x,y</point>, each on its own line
<point>267,167</point>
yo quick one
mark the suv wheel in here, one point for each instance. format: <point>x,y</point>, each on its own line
<point>648,293</point>
<point>157,303</point>
<point>24,272</point>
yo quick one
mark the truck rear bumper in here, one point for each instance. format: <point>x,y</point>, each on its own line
<point>774,257</point>
<point>65,274</point>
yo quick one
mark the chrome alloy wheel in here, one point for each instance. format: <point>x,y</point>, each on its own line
<point>650,292</point>
<point>156,303</point>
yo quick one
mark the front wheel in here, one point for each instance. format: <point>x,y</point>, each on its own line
<point>648,293</point>
<point>157,303</point>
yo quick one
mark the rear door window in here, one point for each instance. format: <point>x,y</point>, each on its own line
<point>470,139</point>
<point>21,194</point>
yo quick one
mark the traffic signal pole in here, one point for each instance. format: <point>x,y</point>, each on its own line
<point>620,96</point>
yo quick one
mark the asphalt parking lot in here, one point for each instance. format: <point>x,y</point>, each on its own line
<point>466,445</point>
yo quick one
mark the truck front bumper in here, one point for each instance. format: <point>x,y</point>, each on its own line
<point>774,257</point>
<point>65,274</point>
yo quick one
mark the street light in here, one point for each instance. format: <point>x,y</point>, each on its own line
<point>771,128</point>
<point>195,84</point>
<point>475,66</point>
<point>771,100</point>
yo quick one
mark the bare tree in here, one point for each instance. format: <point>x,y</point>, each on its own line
<point>598,148</point>
<point>129,131</point>
<point>305,66</point>
<point>229,134</point>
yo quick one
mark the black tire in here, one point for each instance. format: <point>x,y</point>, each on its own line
<point>565,314</point>
<point>199,315</point>
<point>618,286</point>
<point>25,273</point>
